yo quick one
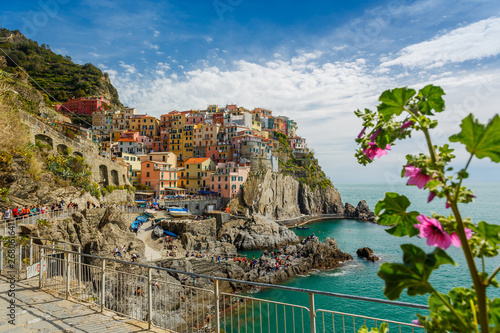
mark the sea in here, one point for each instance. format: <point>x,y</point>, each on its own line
<point>359,277</point>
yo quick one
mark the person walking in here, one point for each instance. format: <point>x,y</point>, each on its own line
<point>7,215</point>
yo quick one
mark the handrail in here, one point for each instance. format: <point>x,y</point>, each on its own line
<point>258,284</point>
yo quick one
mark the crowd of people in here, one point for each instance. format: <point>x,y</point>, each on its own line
<point>19,212</point>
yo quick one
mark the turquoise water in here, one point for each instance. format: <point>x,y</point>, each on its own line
<point>360,277</point>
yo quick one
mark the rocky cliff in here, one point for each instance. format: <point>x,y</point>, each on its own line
<point>257,232</point>
<point>278,196</point>
<point>97,231</point>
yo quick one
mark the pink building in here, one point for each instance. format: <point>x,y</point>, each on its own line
<point>229,178</point>
<point>133,135</point>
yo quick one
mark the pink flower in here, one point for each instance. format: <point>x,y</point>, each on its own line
<point>432,195</point>
<point>407,124</point>
<point>416,177</point>
<point>375,134</point>
<point>456,241</point>
<point>375,151</point>
<point>360,135</point>
<point>416,322</point>
<point>447,205</point>
<point>432,230</point>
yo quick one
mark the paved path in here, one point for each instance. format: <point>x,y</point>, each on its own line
<point>145,235</point>
<point>39,311</point>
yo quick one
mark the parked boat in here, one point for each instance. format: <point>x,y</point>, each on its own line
<point>178,211</point>
<point>301,228</point>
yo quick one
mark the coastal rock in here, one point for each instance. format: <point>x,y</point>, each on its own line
<point>97,231</point>
<point>279,197</point>
<point>300,258</point>
<point>361,212</point>
<point>349,210</point>
<point>367,253</point>
<point>258,232</point>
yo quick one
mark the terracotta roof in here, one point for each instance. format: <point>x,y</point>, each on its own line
<point>127,140</point>
<point>197,160</point>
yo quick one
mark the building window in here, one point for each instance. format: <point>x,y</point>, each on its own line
<point>147,174</point>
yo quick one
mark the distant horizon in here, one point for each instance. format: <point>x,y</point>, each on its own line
<point>314,62</point>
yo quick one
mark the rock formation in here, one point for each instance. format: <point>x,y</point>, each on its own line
<point>367,253</point>
<point>257,232</point>
<point>97,231</point>
<point>302,257</point>
<point>277,196</point>
<point>361,212</point>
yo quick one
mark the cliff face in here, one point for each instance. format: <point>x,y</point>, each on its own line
<point>277,196</point>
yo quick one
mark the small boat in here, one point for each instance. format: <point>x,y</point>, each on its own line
<point>159,220</point>
<point>141,219</point>
<point>147,215</point>
<point>169,233</point>
<point>182,212</point>
<point>301,228</point>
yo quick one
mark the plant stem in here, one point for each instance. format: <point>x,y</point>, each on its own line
<point>479,286</point>
<point>488,281</point>
<point>461,179</point>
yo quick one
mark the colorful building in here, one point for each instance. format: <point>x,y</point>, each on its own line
<point>131,146</point>
<point>84,105</point>
<point>161,177</point>
<point>229,178</point>
<point>197,174</point>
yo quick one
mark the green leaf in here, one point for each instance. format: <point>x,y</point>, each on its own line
<point>393,208</point>
<point>414,273</point>
<point>394,101</point>
<point>482,141</point>
<point>430,98</point>
<point>494,312</point>
<point>485,240</point>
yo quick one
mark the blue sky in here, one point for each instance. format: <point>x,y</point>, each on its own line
<point>314,61</point>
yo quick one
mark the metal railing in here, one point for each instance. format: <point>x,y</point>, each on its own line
<point>7,226</point>
<point>194,302</point>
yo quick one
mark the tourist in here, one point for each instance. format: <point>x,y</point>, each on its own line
<point>134,257</point>
<point>139,292</point>
<point>15,212</point>
<point>7,215</point>
<point>117,253</point>
<point>157,285</point>
<point>124,249</point>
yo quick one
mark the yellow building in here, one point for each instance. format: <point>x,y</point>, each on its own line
<point>147,125</point>
<point>256,124</point>
<point>134,166</point>
<point>205,135</point>
<point>197,174</point>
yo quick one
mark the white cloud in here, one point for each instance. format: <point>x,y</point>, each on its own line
<point>94,54</point>
<point>156,33</point>
<point>209,39</point>
<point>151,45</point>
<point>473,42</point>
<point>129,69</point>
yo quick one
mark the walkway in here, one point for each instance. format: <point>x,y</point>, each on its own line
<point>39,311</point>
<point>144,234</point>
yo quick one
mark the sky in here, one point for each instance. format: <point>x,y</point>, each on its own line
<point>313,61</point>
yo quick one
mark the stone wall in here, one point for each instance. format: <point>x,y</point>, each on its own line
<point>120,197</point>
<point>104,171</point>
<point>196,228</point>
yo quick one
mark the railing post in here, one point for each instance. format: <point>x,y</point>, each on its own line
<point>216,306</point>
<point>66,254</point>
<point>20,262</point>
<point>103,283</point>
<point>40,274</point>
<point>312,313</point>
<point>150,299</point>
<point>1,256</point>
<point>31,251</point>
<point>79,265</point>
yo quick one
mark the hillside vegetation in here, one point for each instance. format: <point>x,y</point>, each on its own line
<point>56,74</point>
<point>304,167</point>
